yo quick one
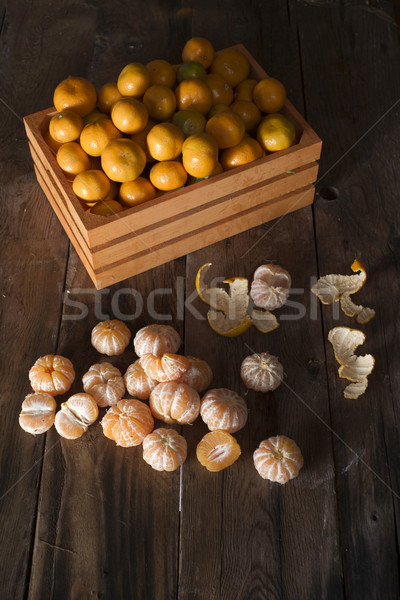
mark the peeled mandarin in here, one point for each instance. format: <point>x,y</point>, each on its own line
<point>75,416</point>
<point>156,339</point>
<point>128,423</point>
<point>164,449</point>
<point>174,402</point>
<point>110,337</point>
<point>52,374</point>
<point>38,412</point>
<point>104,383</point>
<point>217,450</point>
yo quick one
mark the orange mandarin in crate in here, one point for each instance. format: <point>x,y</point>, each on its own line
<point>217,450</point>
<point>76,415</point>
<point>108,95</point>
<point>169,367</point>
<point>161,72</point>
<point>198,49</point>
<point>278,459</point>
<point>110,337</point>
<point>138,383</point>
<point>132,193</point>
<point>133,80</point>
<point>164,449</point>
<point>38,412</point>
<point>72,159</point>
<point>127,423</point>
<point>232,65</point>
<point>223,409</point>
<point>76,94</point>
<point>52,374</point>
<point>173,402</point>
<point>104,382</point>
<point>65,126</point>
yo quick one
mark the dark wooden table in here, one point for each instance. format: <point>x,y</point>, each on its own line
<point>85,519</point>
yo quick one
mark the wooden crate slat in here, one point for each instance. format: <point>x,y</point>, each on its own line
<point>147,260</point>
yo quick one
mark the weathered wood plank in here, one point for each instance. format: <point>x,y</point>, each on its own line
<point>252,538</point>
<point>108,525</point>
<point>353,81</point>
<point>34,251</point>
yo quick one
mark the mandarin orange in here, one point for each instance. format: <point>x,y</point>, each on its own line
<point>194,94</point>
<point>123,160</point>
<point>132,193</point>
<point>161,73</point>
<point>65,126</point>
<point>198,49</point>
<point>133,80</point>
<point>227,128</point>
<point>168,175</point>
<point>232,65</point>
<point>217,450</point>
<point>128,422</point>
<point>200,154</point>
<point>95,136</point>
<point>164,141</point>
<point>72,159</point>
<point>174,402</point>
<point>76,94</point>
<point>129,115</point>
<point>91,185</point>
<point>164,449</point>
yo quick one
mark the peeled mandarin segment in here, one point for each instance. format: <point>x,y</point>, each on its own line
<point>156,339</point>
<point>199,374</point>
<point>104,382</point>
<point>75,416</point>
<point>128,423</point>
<point>223,409</point>
<point>278,459</point>
<point>164,449</point>
<point>138,383</point>
<point>52,374</point>
<point>37,413</point>
<point>270,287</point>
<point>217,450</point>
<point>173,402</point>
<point>261,372</point>
<point>110,337</point>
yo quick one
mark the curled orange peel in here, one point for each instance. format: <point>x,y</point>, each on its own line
<point>331,288</point>
<point>355,368</point>
<point>229,314</point>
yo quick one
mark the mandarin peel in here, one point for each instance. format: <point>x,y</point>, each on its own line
<point>229,314</point>
<point>355,368</point>
<point>331,288</point>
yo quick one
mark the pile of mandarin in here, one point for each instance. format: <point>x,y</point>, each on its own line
<point>160,127</point>
<point>172,384</point>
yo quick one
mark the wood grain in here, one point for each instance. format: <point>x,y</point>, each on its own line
<point>360,223</point>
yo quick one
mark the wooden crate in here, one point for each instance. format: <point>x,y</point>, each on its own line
<point>179,222</point>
